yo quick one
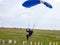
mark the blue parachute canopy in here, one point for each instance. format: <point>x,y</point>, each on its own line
<point>33,0</point>
<point>31,3</point>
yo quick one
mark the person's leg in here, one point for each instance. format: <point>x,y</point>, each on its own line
<point>27,36</point>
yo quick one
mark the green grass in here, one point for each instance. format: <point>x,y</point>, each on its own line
<point>44,36</point>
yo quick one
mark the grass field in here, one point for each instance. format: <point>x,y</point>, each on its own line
<point>44,36</point>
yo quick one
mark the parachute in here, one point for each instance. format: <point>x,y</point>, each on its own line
<point>31,3</point>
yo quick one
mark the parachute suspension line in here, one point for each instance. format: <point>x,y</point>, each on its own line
<point>33,26</point>
<point>28,26</point>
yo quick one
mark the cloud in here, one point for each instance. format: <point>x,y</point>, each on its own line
<point>57,1</point>
<point>1,0</point>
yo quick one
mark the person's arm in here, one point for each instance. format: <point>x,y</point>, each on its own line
<point>27,30</point>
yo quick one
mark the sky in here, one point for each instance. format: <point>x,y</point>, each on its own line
<point>13,14</point>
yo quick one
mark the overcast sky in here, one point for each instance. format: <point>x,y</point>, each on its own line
<point>13,14</point>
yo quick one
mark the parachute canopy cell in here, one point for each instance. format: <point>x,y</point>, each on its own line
<point>48,5</point>
<point>29,4</point>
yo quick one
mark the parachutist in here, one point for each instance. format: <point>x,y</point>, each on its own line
<point>30,32</point>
